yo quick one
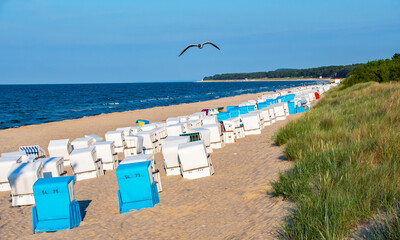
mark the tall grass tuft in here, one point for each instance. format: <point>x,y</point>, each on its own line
<point>347,161</point>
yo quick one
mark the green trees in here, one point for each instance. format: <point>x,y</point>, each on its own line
<point>379,71</point>
<point>325,72</point>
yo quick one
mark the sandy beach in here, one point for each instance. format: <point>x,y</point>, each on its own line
<point>231,204</point>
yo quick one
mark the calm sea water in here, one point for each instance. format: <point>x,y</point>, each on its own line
<point>34,104</point>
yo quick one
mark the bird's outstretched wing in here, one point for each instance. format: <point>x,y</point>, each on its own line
<point>184,50</point>
<point>211,44</point>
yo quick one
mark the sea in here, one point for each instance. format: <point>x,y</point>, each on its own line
<point>35,104</point>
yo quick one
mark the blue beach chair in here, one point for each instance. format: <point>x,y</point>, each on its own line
<point>243,110</point>
<point>56,207</point>
<point>137,188</point>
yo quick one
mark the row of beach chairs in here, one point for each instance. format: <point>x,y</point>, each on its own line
<point>185,142</point>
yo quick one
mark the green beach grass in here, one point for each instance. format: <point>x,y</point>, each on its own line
<point>347,161</point>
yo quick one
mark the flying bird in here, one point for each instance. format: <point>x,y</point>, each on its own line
<point>199,46</point>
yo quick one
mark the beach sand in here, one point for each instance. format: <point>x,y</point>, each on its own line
<point>231,204</point>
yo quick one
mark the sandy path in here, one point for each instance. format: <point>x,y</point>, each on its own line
<point>232,204</point>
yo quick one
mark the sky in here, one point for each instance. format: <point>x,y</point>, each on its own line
<point>97,41</point>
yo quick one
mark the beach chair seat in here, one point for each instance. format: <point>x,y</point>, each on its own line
<point>21,177</point>
<point>56,208</point>
<point>85,164</point>
<point>118,138</point>
<point>60,148</point>
<point>52,167</point>
<point>170,154</point>
<point>95,137</point>
<point>134,145</point>
<point>6,164</point>
<point>34,150</point>
<point>194,160</point>
<point>84,142</point>
<point>106,153</point>
<point>137,188</point>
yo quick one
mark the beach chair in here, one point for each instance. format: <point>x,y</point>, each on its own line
<point>106,153</point>
<point>134,145</point>
<point>52,167</point>
<point>172,121</point>
<point>60,148</point>
<point>6,164</point>
<point>197,134</point>
<point>126,130</point>
<point>84,142</point>
<point>150,144</point>
<point>210,120</point>
<point>234,124</point>
<point>146,157</point>
<point>85,164</point>
<point>251,123</point>
<point>118,138</point>
<point>265,113</point>
<point>197,116</point>
<point>279,112</point>
<point>149,127</point>
<point>21,177</point>
<point>271,111</point>
<point>137,188</point>
<point>175,129</point>
<point>95,137</point>
<point>170,154</point>
<point>194,160</point>
<point>56,208</point>
<point>216,139</point>
<point>142,122</point>
<point>183,119</point>
<point>195,123</point>
<point>34,150</point>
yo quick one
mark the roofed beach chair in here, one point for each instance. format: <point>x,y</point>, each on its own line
<point>150,143</point>
<point>60,148</point>
<point>85,164</point>
<point>95,137</point>
<point>118,138</point>
<point>134,145</point>
<point>170,154</point>
<point>56,208</point>
<point>21,177</point>
<point>34,150</point>
<point>251,123</point>
<point>6,164</point>
<point>194,160</point>
<point>84,142</point>
<point>106,153</point>
<point>52,167</point>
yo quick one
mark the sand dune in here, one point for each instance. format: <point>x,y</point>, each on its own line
<point>231,204</point>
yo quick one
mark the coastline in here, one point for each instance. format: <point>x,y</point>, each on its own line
<point>268,80</point>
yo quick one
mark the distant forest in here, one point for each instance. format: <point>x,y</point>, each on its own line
<point>325,72</point>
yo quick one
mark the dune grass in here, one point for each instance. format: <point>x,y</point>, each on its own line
<point>347,161</point>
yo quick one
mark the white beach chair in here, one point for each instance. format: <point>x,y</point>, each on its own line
<point>52,167</point>
<point>271,111</point>
<point>85,164</point>
<point>251,123</point>
<point>106,153</point>
<point>205,135</point>
<point>150,144</point>
<point>21,177</point>
<point>170,154</point>
<point>6,164</point>
<point>195,123</point>
<point>216,139</point>
<point>60,148</point>
<point>95,137</point>
<point>84,142</point>
<point>118,138</point>
<point>267,120</point>
<point>279,112</point>
<point>134,145</point>
<point>149,127</point>
<point>210,120</point>
<point>194,160</point>
<point>234,124</point>
<point>175,129</point>
<point>172,121</point>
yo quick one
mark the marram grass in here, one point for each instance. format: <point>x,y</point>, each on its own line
<point>347,161</point>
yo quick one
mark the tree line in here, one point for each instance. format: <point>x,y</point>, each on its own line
<point>325,72</point>
<point>379,71</point>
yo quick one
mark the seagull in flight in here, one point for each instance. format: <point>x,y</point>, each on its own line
<point>199,46</point>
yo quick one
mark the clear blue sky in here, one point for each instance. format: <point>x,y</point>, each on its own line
<point>90,41</point>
